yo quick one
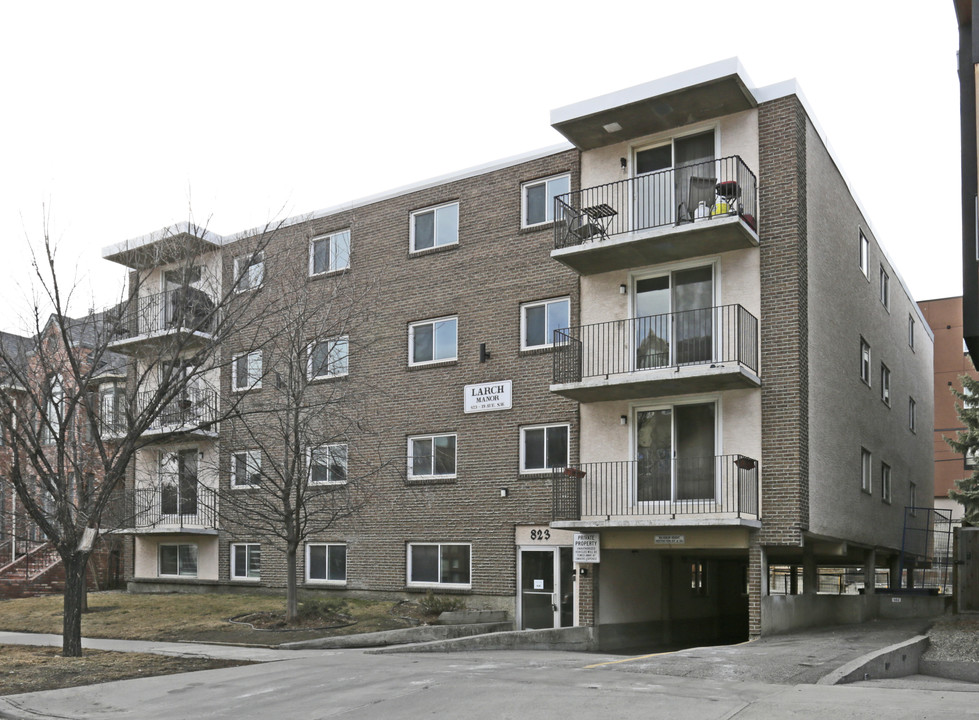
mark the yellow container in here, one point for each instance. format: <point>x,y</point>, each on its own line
<point>720,208</point>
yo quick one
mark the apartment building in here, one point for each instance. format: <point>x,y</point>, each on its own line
<point>952,361</point>
<point>621,378</point>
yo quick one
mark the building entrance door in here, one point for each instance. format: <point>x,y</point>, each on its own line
<point>546,593</point>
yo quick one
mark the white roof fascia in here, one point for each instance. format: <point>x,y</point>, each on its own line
<point>179,228</point>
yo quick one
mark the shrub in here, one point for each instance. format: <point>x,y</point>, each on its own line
<point>438,604</point>
<point>325,608</point>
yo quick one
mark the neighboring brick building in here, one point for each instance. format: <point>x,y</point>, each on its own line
<point>738,378</point>
<point>952,361</point>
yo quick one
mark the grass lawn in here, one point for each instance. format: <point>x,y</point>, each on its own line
<point>197,618</point>
<point>27,669</point>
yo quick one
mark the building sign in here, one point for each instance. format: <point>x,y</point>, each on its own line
<point>486,397</point>
<point>670,540</point>
<point>586,548</point>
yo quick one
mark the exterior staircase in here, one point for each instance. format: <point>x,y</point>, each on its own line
<point>37,572</point>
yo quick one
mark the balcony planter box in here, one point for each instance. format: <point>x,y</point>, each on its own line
<point>573,473</point>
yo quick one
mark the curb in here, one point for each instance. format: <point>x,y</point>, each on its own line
<point>383,638</point>
<point>567,639</point>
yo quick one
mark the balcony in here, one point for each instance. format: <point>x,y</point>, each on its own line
<point>685,212</point>
<point>175,506</point>
<point>185,315</point>
<point>690,351</point>
<point>719,490</point>
<point>193,414</point>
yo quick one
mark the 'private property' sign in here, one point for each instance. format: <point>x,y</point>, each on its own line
<point>486,397</point>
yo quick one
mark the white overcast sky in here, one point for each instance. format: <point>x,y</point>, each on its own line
<point>123,118</point>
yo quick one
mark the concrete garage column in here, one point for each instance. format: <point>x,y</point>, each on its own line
<point>810,574</point>
<point>666,598</point>
<point>894,565</point>
<point>869,572</point>
<point>757,587</point>
<point>587,580</point>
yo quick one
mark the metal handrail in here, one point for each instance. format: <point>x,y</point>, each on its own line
<point>687,194</point>
<point>186,308</point>
<point>175,502</point>
<point>727,333</point>
<point>725,484</point>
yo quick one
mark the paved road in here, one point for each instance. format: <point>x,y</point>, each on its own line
<point>352,684</point>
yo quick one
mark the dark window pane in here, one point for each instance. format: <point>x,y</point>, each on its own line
<point>455,563</point>
<point>654,159</point>
<point>317,562</point>
<point>255,561</point>
<point>338,463</point>
<point>421,457</point>
<point>241,560</point>
<point>535,326</point>
<point>338,562</point>
<point>241,371</point>
<point>425,230</point>
<point>445,340</point>
<point>424,563</point>
<point>321,256</point>
<point>557,318</point>
<point>557,446</point>
<point>188,559</point>
<point>534,449</point>
<point>423,337</point>
<point>536,203</point>
<point>168,560</point>
<point>445,455</point>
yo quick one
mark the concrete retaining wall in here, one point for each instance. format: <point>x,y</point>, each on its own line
<point>895,661</point>
<point>784,613</point>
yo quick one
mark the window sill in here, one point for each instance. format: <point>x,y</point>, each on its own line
<point>328,379</point>
<point>427,366</point>
<point>442,589</point>
<point>536,474</point>
<point>433,480</point>
<point>327,274</point>
<point>325,583</point>
<point>433,250</point>
<point>245,581</point>
<point>527,229</point>
<point>542,350</point>
<point>245,487</point>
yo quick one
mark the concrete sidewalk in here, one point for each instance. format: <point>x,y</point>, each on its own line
<point>179,649</point>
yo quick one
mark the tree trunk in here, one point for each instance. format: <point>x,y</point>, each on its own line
<point>85,588</point>
<point>71,638</point>
<point>292,601</point>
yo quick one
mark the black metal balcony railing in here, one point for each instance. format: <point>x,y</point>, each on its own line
<point>194,408</point>
<point>176,502</point>
<point>727,333</point>
<point>183,308</point>
<point>687,194</point>
<point>681,486</point>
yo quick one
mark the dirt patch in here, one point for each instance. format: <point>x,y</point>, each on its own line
<point>28,669</point>
<point>954,638</point>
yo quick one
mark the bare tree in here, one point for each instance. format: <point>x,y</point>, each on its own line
<point>303,451</point>
<point>69,445</point>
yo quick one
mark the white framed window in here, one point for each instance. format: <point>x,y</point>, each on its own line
<point>865,361</point>
<point>866,470</point>
<point>246,371</point>
<point>432,341</point>
<point>328,358</point>
<point>885,384</point>
<point>246,468</point>
<point>329,253</point>
<point>911,331</point>
<point>885,288</point>
<point>885,482</point>
<point>246,561</point>
<point>543,447</point>
<point>539,320</point>
<point>864,255</point>
<point>326,563</point>
<point>440,564</point>
<point>112,398</point>
<point>53,409</point>
<point>432,456</point>
<point>249,271</point>
<point>178,560</point>
<point>912,415</point>
<point>435,227</point>
<point>537,199</point>
<point>328,465</point>
<point>969,459</point>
